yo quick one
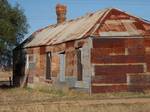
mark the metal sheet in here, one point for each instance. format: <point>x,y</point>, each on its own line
<point>70,30</point>
<point>78,28</point>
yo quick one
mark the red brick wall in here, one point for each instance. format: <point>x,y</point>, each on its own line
<point>69,48</point>
<point>117,21</point>
<point>113,59</point>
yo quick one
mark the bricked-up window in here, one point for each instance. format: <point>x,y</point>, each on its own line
<point>79,65</point>
<point>48,65</point>
<point>32,61</point>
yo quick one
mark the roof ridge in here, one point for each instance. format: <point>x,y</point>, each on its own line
<point>71,20</point>
<point>73,29</point>
<point>88,14</point>
<point>132,15</point>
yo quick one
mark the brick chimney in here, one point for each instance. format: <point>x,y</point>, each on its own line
<point>61,13</point>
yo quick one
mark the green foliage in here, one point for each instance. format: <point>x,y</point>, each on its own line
<point>13,27</point>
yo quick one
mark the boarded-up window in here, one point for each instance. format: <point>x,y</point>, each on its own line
<point>79,65</point>
<point>32,61</point>
<point>48,65</point>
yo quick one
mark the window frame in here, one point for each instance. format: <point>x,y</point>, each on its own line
<point>31,63</point>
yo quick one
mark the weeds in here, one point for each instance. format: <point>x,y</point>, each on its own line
<point>40,100</point>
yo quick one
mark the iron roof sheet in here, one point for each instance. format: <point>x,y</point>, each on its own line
<point>69,30</point>
<point>76,29</point>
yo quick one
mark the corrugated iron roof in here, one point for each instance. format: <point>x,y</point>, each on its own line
<point>69,30</point>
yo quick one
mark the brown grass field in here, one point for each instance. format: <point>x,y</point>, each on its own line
<point>5,77</point>
<point>52,100</point>
<point>28,100</point>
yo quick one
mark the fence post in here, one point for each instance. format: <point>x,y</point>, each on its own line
<point>10,81</point>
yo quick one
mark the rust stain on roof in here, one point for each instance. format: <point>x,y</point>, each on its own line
<point>78,28</point>
<point>69,30</point>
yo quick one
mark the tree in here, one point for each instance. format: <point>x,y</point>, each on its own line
<point>13,27</point>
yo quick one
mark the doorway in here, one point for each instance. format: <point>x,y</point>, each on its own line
<point>79,64</point>
<point>62,67</point>
<point>48,65</point>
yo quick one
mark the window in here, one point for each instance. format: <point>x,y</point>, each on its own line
<point>79,64</point>
<point>31,61</point>
<point>48,65</point>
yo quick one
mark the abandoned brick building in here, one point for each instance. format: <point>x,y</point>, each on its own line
<point>104,51</point>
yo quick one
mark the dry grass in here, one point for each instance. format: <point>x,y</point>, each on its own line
<point>43,100</point>
<point>5,73</point>
<point>76,95</point>
<point>51,100</point>
<point>76,108</point>
<point>5,78</point>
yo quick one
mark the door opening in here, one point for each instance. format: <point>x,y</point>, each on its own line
<point>62,67</point>
<point>48,65</point>
<point>79,64</point>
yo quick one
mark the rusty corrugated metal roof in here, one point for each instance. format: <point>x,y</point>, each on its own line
<point>69,30</point>
<point>75,29</point>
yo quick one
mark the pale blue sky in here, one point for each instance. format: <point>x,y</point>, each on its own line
<point>41,13</point>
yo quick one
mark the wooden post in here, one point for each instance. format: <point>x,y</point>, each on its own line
<point>10,81</point>
<point>24,82</point>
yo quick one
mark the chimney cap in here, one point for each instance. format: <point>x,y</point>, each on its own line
<point>57,5</point>
<point>60,8</point>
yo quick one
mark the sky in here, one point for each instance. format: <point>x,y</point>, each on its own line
<point>41,13</point>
